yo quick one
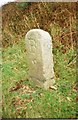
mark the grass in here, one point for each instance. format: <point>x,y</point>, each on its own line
<point>22,100</point>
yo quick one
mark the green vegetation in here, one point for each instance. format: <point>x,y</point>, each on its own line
<point>22,100</point>
<point>23,5</point>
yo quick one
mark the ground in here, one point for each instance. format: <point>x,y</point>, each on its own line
<point>22,100</point>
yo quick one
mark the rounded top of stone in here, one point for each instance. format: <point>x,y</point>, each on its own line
<point>39,32</point>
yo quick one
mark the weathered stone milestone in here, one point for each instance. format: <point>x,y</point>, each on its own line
<point>40,57</point>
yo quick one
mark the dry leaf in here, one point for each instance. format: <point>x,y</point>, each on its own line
<point>53,87</point>
<point>69,99</point>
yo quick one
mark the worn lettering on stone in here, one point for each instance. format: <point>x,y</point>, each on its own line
<point>40,57</point>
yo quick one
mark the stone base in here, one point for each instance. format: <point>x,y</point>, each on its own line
<point>44,85</point>
<point>47,84</point>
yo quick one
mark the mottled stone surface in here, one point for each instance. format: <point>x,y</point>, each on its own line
<point>40,57</point>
